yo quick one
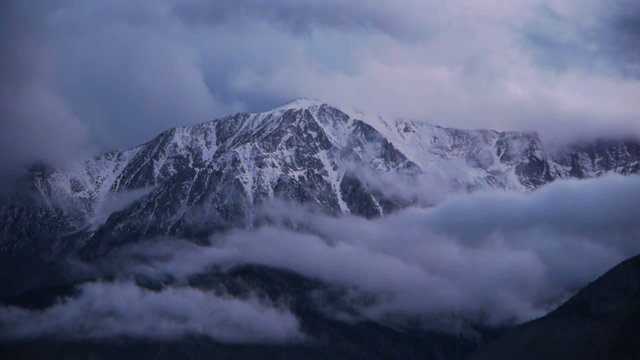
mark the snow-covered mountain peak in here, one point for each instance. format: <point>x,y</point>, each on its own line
<point>298,104</point>
<point>212,176</point>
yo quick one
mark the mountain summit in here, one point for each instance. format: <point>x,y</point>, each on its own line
<point>196,180</point>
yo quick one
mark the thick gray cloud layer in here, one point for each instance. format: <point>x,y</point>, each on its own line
<point>112,74</point>
<point>489,258</point>
<point>495,257</point>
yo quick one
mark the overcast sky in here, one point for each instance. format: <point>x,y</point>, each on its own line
<point>110,74</point>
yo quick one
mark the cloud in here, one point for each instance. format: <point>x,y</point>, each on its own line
<point>593,34</point>
<point>492,258</point>
<point>298,17</point>
<point>104,310</point>
<point>34,118</point>
<point>116,201</point>
<point>503,89</point>
<point>113,74</point>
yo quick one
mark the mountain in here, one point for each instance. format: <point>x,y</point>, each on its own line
<point>602,321</point>
<point>196,180</point>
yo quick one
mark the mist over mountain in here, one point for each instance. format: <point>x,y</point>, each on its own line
<point>453,179</point>
<point>195,181</point>
<point>381,228</point>
<point>599,322</point>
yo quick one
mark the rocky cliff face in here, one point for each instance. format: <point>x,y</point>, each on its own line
<point>193,181</point>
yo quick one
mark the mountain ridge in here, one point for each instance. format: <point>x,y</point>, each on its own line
<point>601,321</point>
<point>194,180</point>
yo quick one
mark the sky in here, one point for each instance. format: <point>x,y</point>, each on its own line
<point>80,77</point>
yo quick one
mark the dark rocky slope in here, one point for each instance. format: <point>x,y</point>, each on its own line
<point>602,321</point>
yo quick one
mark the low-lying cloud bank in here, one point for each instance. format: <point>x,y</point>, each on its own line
<point>491,258</point>
<point>495,258</point>
<point>105,310</point>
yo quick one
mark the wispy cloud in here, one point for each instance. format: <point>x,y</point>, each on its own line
<point>493,258</point>
<point>104,310</point>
